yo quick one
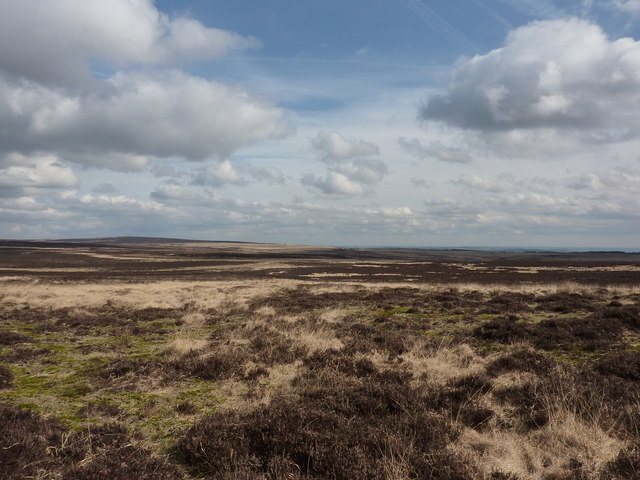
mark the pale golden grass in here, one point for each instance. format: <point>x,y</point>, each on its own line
<point>49,269</point>
<point>164,294</point>
<point>319,337</point>
<point>185,344</point>
<point>531,456</point>
<point>485,288</point>
<point>194,319</point>
<point>142,258</point>
<point>334,315</point>
<point>278,382</point>
<point>540,454</point>
<point>445,363</point>
<point>318,340</point>
<point>514,379</point>
<point>265,311</point>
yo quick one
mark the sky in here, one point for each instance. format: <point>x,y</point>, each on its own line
<point>423,123</point>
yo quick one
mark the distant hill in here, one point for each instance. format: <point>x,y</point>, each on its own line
<point>111,241</point>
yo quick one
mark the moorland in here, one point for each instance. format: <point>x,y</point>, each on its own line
<point>163,359</point>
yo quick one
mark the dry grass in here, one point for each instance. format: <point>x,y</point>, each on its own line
<point>276,378</point>
<point>210,294</point>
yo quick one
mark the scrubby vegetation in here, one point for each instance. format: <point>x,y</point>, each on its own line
<point>320,381</point>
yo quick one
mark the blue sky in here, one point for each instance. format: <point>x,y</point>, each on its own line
<point>407,122</point>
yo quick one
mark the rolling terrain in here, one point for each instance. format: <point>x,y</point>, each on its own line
<point>137,358</point>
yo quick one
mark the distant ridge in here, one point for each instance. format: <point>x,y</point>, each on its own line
<point>127,240</point>
<point>114,242</point>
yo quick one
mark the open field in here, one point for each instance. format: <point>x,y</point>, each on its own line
<point>123,359</point>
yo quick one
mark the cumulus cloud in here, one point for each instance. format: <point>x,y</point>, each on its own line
<point>348,178</point>
<point>332,146</point>
<point>349,173</point>
<point>219,174</point>
<point>168,114</point>
<point>618,180</point>
<point>20,174</point>
<point>363,170</point>
<point>169,193</point>
<point>563,74</point>
<point>52,41</point>
<point>140,106</point>
<point>271,175</point>
<point>434,151</point>
<point>334,184</point>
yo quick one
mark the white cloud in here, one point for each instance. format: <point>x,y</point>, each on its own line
<point>219,174</point>
<point>271,175</point>
<point>549,74</point>
<point>168,193</point>
<point>613,181</point>
<point>362,170</point>
<point>332,146</point>
<point>20,174</point>
<point>348,178</point>
<point>397,211</point>
<point>225,172</point>
<point>52,102</point>
<point>349,173</point>
<point>477,182</point>
<point>434,151</point>
<point>334,184</point>
<point>52,41</point>
<point>163,115</point>
<point>629,6</point>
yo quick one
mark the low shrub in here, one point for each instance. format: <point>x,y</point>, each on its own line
<point>475,416</point>
<point>625,365</point>
<point>270,347</point>
<point>348,420</point>
<point>221,364</point>
<point>33,447</point>
<point>25,443</point>
<point>528,403</point>
<point>501,330</point>
<point>186,408</point>
<point>590,333</point>
<point>319,443</point>
<point>13,338</point>
<point>6,377</point>
<point>126,462</point>
<point>565,302</point>
<point>508,303</point>
<point>627,315</point>
<point>522,359</point>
